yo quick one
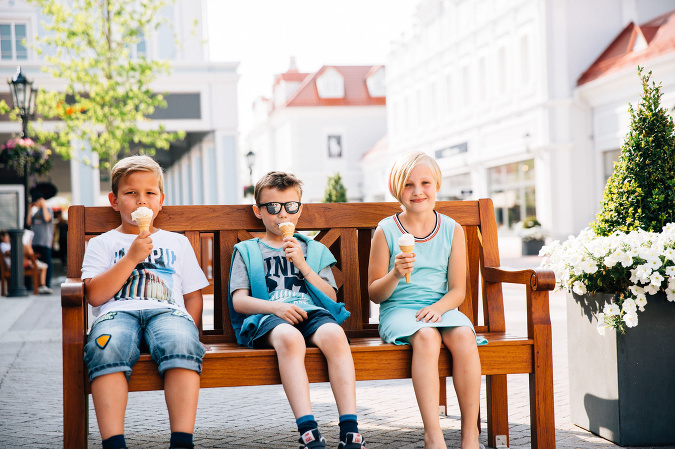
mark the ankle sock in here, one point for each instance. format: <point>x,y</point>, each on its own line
<point>306,423</point>
<point>181,440</point>
<point>348,424</point>
<point>114,442</point>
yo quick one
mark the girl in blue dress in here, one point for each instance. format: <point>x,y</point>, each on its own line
<point>423,313</point>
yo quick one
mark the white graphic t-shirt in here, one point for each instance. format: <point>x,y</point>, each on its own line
<point>160,281</point>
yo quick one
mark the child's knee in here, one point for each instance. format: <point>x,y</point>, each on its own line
<point>426,337</point>
<point>287,339</point>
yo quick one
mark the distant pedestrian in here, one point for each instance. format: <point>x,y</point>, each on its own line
<point>60,246</point>
<point>41,223</point>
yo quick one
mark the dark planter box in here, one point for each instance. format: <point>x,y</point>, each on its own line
<point>622,387</point>
<point>532,247</point>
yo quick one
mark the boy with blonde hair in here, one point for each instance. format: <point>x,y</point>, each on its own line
<point>145,287</point>
<point>282,295</point>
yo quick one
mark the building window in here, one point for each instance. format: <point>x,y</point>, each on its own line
<point>525,67</point>
<point>334,146</point>
<point>457,187</point>
<point>330,84</point>
<point>13,44</point>
<point>608,160</point>
<point>512,191</point>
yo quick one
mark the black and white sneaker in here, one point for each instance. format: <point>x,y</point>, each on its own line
<point>353,441</point>
<point>312,439</point>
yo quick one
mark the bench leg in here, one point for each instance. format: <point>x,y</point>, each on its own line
<point>75,397</point>
<point>542,414</point>
<point>443,396</point>
<point>497,408</point>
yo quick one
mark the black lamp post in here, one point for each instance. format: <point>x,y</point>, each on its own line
<point>23,96</point>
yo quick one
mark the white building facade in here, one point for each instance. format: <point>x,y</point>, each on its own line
<point>319,124</point>
<point>488,87</point>
<point>201,100</point>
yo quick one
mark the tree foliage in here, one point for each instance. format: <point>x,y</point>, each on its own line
<point>335,190</point>
<point>640,194</point>
<point>90,45</point>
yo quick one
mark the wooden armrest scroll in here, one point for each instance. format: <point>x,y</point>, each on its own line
<point>72,293</point>
<point>538,279</point>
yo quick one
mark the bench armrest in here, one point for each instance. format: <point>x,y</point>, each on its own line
<point>539,279</point>
<point>72,293</point>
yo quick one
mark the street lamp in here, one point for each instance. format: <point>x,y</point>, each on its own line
<point>23,97</point>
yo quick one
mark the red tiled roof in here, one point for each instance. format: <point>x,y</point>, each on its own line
<point>658,33</point>
<point>356,91</point>
<point>292,76</point>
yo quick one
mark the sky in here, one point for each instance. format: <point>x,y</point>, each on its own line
<point>262,35</point>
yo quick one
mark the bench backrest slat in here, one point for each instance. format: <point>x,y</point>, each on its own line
<point>345,228</point>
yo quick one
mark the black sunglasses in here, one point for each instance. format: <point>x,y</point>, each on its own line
<point>292,207</point>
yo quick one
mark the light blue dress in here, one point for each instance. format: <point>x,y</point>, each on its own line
<point>428,282</point>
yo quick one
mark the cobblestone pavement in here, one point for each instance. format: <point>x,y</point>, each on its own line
<point>251,417</point>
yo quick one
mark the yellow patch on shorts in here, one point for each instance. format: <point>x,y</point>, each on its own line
<point>103,340</point>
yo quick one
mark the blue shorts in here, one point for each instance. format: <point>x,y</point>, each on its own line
<point>315,319</point>
<point>115,339</point>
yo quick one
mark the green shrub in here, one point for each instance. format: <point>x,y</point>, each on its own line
<point>640,194</point>
<point>335,190</point>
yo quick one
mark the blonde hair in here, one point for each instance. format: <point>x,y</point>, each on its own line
<point>402,167</point>
<point>277,180</point>
<point>132,164</point>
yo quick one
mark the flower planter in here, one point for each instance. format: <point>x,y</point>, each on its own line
<point>532,247</point>
<point>622,386</point>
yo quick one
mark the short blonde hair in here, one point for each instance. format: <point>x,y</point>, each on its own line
<point>132,164</point>
<point>277,180</point>
<point>404,165</point>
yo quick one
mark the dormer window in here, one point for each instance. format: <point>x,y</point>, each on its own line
<point>375,83</point>
<point>640,42</point>
<point>331,84</point>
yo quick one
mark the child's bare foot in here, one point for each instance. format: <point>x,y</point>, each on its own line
<point>434,440</point>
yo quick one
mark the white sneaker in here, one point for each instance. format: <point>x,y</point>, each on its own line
<point>44,290</point>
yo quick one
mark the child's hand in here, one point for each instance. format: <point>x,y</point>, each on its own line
<point>290,312</point>
<point>293,251</point>
<point>429,314</point>
<point>404,263</point>
<point>141,247</point>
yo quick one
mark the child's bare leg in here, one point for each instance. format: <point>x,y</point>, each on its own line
<point>110,393</point>
<point>466,372</point>
<point>426,344</point>
<point>332,341</point>
<point>289,344</point>
<point>181,392</point>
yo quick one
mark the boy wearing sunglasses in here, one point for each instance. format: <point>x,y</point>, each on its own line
<point>282,295</point>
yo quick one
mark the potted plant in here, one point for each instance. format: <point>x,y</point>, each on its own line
<point>620,275</point>
<point>531,234</point>
<point>19,153</point>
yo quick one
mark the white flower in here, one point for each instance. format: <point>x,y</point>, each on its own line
<point>651,289</point>
<point>641,302</point>
<point>670,271</point>
<point>589,266</point>
<point>636,289</point>
<point>670,294</point>
<point>611,309</point>
<point>602,324</point>
<point>579,288</point>
<point>656,279</point>
<point>629,306</point>
<point>631,319</point>
<point>611,260</point>
<point>669,254</point>
<point>625,259</point>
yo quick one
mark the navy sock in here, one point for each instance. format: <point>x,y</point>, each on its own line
<point>114,442</point>
<point>181,440</point>
<point>306,423</point>
<point>348,424</point>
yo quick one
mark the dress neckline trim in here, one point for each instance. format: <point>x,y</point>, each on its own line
<point>431,235</point>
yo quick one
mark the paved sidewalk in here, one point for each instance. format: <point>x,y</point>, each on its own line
<point>253,417</point>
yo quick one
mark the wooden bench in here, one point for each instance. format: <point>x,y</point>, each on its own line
<point>346,229</point>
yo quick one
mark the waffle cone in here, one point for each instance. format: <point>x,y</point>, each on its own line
<point>407,249</point>
<point>288,230</point>
<point>144,223</point>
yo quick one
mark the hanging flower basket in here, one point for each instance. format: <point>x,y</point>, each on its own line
<point>18,152</point>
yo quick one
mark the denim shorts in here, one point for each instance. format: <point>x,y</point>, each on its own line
<point>315,319</point>
<point>115,339</point>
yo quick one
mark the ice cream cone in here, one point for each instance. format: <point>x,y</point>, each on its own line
<point>287,229</point>
<point>407,249</point>
<point>143,217</point>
